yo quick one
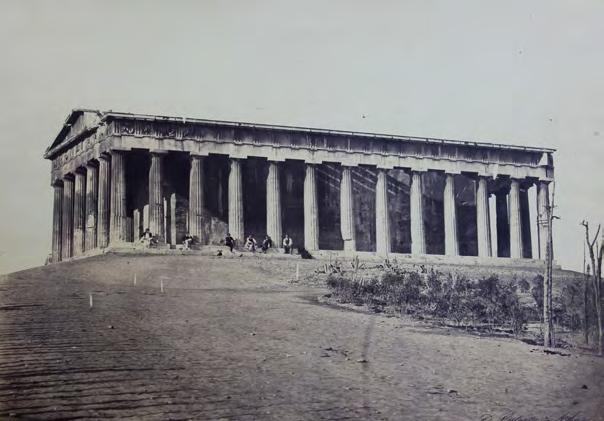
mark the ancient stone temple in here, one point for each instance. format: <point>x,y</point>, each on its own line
<point>116,174</point>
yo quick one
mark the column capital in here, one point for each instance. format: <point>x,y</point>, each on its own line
<point>417,170</point>
<point>479,176</point>
<point>198,155</point>
<point>104,156</point>
<point>91,164</point>
<point>158,151</point>
<point>313,161</point>
<point>115,149</point>
<point>545,181</point>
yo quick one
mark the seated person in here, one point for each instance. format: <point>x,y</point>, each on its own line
<point>267,243</point>
<point>188,240</point>
<point>147,238</point>
<point>250,243</point>
<point>229,241</point>
<point>287,244</point>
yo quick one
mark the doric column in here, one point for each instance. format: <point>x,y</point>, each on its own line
<point>525,224</point>
<point>57,211</point>
<point>347,210</point>
<point>92,194</point>
<point>451,244</point>
<point>79,212</point>
<point>515,221</point>
<point>543,213</point>
<point>170,226</point>
<point>197,199</point>
<point>273,203</point>
<point>418,242</point>
<point>118,231</point>
<point>103,201</point>
<point>156,196</point>
<point>311,209</point>
<point>236,227</point>
<point>382,219</point>
<point>483,218</point>
<point>67,220</point>
<point>503,224</point>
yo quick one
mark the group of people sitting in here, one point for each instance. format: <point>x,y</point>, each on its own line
<point>150,240</point>
<point>251,244</point>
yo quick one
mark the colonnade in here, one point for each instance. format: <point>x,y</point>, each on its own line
<point>90,207</point>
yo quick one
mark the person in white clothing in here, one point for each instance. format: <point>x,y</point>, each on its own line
<point>287,244</point>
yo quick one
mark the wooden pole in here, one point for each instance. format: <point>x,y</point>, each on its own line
<point>548,327</point>
<point>585,299</point>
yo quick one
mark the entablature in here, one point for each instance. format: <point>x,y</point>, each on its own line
<point>203,137</point>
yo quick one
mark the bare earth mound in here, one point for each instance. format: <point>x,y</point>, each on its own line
<point>233,338</point>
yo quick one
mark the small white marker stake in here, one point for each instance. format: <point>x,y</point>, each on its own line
<point>134,279</point>
<point>90,295</point>
<point>161,285</point>
<point>297,271</point>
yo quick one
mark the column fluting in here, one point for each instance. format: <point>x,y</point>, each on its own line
<point>156,196</point>
<point>311,210</point>
<point>118,231</point>
<point>483,218</point>
<point>273,203</point>
<point>236,227</point>
<point>79,212</point>
<point>92,194</point>
<point>382,218</point>
<point>418,242</point>
<point>197,199</point>
<point>57,215</point>
<point>67,220</point>
<point>450,212</point>
<point>347,210</point>
<point>104,199</point>
<point>515,221</point>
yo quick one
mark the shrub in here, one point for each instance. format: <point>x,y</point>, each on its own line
<point>486,301</point>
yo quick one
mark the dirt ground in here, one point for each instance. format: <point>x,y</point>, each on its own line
<point>233,338</point>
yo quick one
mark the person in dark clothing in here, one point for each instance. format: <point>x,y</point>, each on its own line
<point>230,242</point>
<point>267,243</point>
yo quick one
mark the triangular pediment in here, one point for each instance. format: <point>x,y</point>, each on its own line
<point>77,122</point>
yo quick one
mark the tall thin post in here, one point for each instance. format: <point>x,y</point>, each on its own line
<point>548,326</point>
<point>585,298</point>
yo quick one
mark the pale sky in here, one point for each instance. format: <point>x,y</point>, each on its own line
<point>519,72</point>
